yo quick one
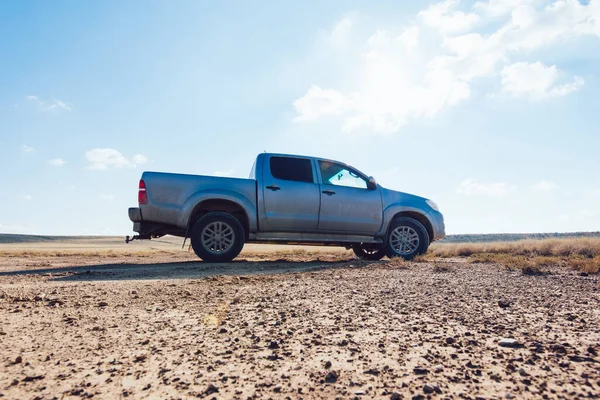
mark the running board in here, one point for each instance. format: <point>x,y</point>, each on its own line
<point>311,237</point>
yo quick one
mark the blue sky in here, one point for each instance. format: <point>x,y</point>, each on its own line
<point>490,108</point>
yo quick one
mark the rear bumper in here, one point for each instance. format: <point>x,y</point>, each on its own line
<point>135,214</point>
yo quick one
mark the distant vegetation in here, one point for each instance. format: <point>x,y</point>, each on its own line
<point>511,237</point>
<point>15,238</point>
<point>531,255</point>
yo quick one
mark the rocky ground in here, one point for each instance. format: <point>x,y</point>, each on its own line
<point>293,326</point>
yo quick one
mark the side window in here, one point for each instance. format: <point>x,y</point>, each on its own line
<point>340,175</point>
<point>292,169</point>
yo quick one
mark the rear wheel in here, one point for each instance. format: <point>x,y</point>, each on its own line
<point>368,251</point>
<point>217,237</point>
<point>407,238</point>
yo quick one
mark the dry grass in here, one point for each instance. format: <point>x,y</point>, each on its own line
<point>530,256</point>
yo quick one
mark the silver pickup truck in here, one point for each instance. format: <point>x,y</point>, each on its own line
<point>288,199</point>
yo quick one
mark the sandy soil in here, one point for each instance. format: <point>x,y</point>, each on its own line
<point>157,323</point>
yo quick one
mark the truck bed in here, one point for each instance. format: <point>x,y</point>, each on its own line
<point>168,193</point>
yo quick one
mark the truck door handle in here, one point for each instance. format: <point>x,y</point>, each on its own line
<point>273,188</point>
<point>328,192</point>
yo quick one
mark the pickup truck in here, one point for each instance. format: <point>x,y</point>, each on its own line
<point>288,199</point>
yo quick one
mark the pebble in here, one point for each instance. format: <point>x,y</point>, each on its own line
<point>331,377</point>
<point>503,303</point>
<point>506,342</point>
<point>420,371</point>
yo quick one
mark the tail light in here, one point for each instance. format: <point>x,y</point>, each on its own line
<point>142,197</point>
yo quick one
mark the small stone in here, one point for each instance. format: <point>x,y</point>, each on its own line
<point>273,345</point>
<point>331,377</point>
<point>211,389</point>
<point>450,340</point>
<point>18,360</point>
<point>102,304</point>
<point>503,303</point>
<point>372,371</point>
<point>438,368</point>
<point>359,392</point>
<point>420,371</point>
<point>395,396</point>
<point>327,364</point>
<point>222,330</point>
<point>506,342</point>
<point>427,388</point>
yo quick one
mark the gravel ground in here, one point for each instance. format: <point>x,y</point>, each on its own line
<point>165,326</point>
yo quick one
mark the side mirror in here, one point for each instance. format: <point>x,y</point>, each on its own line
<point>372,184</point>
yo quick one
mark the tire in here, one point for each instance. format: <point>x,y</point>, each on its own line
<point>217,237</point>
<point>406,238</point>
<point>367,251</point>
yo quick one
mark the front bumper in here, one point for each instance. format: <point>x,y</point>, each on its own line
<point>438,225</point>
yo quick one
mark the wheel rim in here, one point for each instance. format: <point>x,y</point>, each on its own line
<point>217,237</point>
<point>404,240</point>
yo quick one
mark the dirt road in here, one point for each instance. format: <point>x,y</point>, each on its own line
<point>299,325</point>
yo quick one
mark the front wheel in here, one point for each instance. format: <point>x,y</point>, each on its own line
<point>367,251</point>
<point>217,237</point>
<point>407,238</point>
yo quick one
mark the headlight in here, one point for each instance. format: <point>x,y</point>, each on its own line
<point>432,204</point>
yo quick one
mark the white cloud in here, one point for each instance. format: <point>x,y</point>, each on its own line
<point>340,31</point>
<point>27,149</point>
<point>224,173</point>
<point>51,105</point>
<point>410,37</point>
<point>471,187</point>
<point>140,159</point>
<point>439,59</point>
<point>544,186</point>
<point>57,162</point>
<point>317,103</point>
<point>4,228</point>
<point>535,81</point>
<point>446,19</point>
<point>101,159</point>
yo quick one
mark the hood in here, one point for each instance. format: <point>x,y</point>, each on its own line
<point>390,197</point>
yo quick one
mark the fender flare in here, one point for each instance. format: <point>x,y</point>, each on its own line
<point>190,204</point>
<point>392,210</point>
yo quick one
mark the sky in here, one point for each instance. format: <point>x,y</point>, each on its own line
<point>490,108</point>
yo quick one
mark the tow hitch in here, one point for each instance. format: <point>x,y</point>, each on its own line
<point>137,237</point>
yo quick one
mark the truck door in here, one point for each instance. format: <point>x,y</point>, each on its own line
<point>291,194</point>
<point>348,205</point>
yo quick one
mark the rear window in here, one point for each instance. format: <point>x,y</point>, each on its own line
<point>292,169</point>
